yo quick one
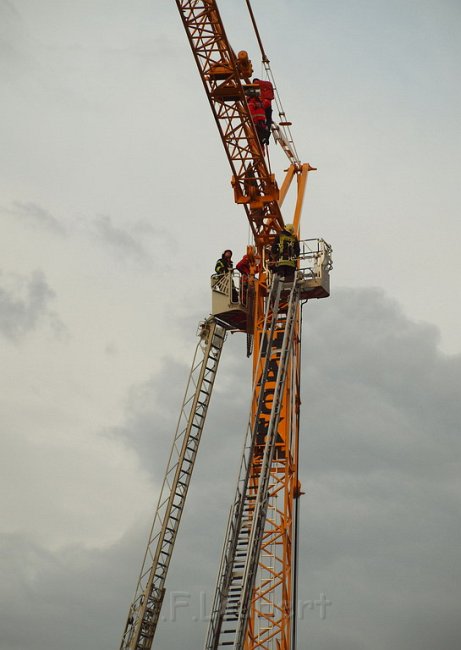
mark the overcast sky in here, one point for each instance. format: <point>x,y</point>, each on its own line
<point>115,202</point>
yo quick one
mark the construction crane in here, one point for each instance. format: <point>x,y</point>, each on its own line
<point>254,604</point>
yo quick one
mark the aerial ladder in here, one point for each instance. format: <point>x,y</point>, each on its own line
<point>145,609</point>
<point>247,519</point>
<point>254,605</point>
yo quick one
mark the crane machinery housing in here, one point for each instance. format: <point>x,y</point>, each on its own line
<point>254,604</point>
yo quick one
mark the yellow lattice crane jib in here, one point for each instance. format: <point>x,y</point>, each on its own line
<point>254,605</point>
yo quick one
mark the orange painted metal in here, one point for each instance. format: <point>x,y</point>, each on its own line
<point>221,71</point>
<point>272,608</point>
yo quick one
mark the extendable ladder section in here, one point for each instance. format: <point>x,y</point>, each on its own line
<point>242,545</point>
<point>145,609</point>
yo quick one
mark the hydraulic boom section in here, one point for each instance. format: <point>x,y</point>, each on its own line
<point>144,612</point>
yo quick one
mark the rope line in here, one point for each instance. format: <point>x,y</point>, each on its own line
<point>284,126</point>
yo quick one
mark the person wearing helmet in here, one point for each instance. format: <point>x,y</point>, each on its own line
<point>285,251</point>
<point>224,263</point>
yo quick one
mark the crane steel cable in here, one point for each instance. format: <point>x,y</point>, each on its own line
<point>284,124</point>
<point>296,527</point>
<point>258,37</point>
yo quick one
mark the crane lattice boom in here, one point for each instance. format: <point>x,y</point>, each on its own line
<point>254,605</point>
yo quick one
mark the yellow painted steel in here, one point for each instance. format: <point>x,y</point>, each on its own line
<point>270,623</point>
<point>272,608</point>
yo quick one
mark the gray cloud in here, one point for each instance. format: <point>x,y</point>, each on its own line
<point>64,593</point>
<point>122,242</point>
<point>86,93</point>
<point>379,465</point>
<point>153,407</point>
<point>35,215</point>
<point>379,520</point>
<point>24,304</point>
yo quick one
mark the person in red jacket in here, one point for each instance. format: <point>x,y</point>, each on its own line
<point>266,94</point>
<point>258,114</point>
<point>244,267</point>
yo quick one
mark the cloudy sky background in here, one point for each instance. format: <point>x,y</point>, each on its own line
<point>114,204</point>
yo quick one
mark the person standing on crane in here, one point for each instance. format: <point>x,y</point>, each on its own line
<point>285,251</point>
<point>266,94</point>
<point>258,115</point>
<point>244,267</point>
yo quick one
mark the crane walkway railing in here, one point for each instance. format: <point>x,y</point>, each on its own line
<point>242,545</point>
<point>145,609</point>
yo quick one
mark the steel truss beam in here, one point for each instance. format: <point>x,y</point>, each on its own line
<point>254,186</point>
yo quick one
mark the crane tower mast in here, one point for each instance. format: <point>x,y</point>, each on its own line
<point>254,605</point>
